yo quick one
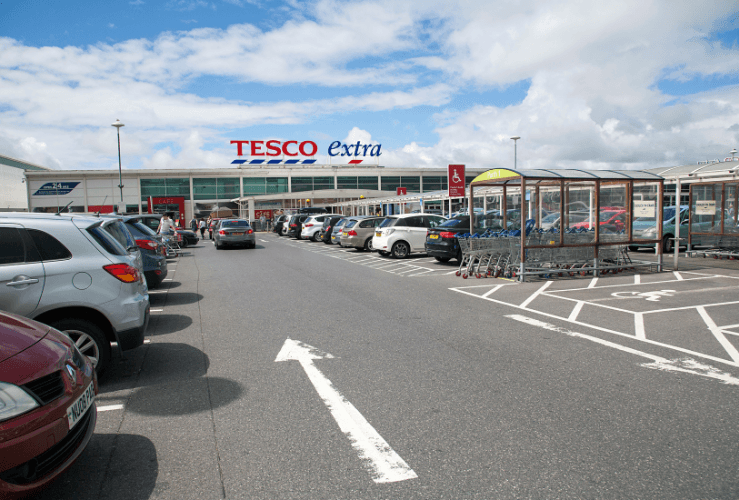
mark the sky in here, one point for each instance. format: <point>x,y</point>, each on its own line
<point>585,84</point>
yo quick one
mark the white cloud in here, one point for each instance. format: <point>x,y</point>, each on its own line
<point>592,99</point>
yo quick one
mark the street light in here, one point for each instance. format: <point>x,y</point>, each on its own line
<point>118,126</point>
<point>515,151</point>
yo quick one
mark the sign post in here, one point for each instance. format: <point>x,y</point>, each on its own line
<point>456,181</point>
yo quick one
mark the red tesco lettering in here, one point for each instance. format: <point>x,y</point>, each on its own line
<point>274,148</point>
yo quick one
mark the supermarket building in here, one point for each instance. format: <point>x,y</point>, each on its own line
<point>245,188</point>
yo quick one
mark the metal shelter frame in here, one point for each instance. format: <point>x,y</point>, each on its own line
<point>720,234</point>
<point>529,184</point>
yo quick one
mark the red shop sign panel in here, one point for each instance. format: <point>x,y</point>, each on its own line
<point>456,181</point>
<point>401,190</point>
<point>258,214</point>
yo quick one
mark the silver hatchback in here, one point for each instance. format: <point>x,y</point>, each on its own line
<point>234,232</point>
<point>70,273</point>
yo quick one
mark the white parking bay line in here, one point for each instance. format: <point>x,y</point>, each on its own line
<point>264,241</point>
<point>157,291</point>
<point>110,407</point>
<point>658,362</point>
<point>156,310</point>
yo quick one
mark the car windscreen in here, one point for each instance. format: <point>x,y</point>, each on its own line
<point>462,221</point>
<point>350,224</point>
<point>234,223</point>
<point>388,222</point>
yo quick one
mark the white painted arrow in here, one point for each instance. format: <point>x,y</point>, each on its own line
<point>384,464</point>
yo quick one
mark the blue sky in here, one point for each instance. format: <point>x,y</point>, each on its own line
<point>434,82</point>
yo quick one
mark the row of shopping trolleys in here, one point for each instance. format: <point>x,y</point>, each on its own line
<point>718,247</point>
<point>498,253</point>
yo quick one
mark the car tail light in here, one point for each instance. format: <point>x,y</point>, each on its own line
<point>307,225</point>
<point>147,244</point>
<point>250,231</point>
<point>447,234</point>
<point>123,272</point>
<point>293,225</point>
<point>222,232</point>
<point>351,233</point>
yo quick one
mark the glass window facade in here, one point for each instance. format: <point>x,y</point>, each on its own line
<point>434,183</point>
<point>367,182</point>
<point>346,182</point>
<point>215,188</point>
<point>411,183</point>
<point>264,185</point>
<point>165,187</point>
<point>311,183</point>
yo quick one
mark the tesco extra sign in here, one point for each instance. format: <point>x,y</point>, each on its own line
<point>304,148</point>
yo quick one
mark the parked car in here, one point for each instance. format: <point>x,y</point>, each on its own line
<point>337,230</point>
<point>401,235</point>
<point>358,233</point>
<point>69,273</point>
<point>279,222</point>
<point>188,237</point>
<point>234,232</point>
<point>152,250</point>
<point>613,220</point>
<point>47,404</point>
<point>151,220</point>
<point>551,221</point>
<point>296,225</point>
<point>312,227</point>
<point>328,227</point>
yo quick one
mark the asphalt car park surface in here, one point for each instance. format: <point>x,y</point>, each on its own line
<point>303,370</point>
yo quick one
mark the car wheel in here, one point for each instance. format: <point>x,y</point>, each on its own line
<point>218,247</point>
<point>89,339</point>
<point>400,250</point>
<point>442,259</point>
<point>184,244</point>
<point>368,245</point>
<point>316,237</point>
<point>667,244</point>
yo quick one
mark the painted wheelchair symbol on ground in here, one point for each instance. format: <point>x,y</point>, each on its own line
<point>693,313</point>
<point>650,296</point>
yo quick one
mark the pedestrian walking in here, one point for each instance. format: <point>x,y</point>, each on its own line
<point>262,222</point>
<point>194,225</point>
<point>201,225</point>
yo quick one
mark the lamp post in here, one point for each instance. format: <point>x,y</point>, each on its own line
<point>118,126</point>
<point>515,151</point>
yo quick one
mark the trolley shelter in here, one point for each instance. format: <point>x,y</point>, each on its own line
<point>713,218</point>
<point>571,218</point>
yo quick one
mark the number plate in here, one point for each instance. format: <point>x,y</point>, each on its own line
<point>433,236</point>
<point>237,234</point>
<point>344,233</point>
<point>79,407</point>
<point>378,234</point>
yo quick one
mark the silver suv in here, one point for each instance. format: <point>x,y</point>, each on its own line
<point>70,273</point>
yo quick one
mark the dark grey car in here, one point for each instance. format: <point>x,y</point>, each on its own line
<point>234,232</point>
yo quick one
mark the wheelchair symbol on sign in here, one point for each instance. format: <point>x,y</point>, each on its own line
<point>650,296</point>
<point>456,179</point>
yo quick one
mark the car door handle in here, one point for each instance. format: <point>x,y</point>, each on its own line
<point>24,281</point>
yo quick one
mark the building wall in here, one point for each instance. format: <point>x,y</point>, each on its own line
<point>13,196</point>
<point>93,190</point>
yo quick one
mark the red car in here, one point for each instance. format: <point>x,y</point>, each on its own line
<point>47,404</point>
<point>614,218</point>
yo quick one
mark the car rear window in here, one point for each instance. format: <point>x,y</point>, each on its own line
<point>118,231</point>
<point>455,222</point>
<point>49,247</point>
<point>349,224</point>
<point>142,228</point>
<point>340,223</point>
<point>388,222</point>
<point>106,241</point>
<point>234,223</point>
